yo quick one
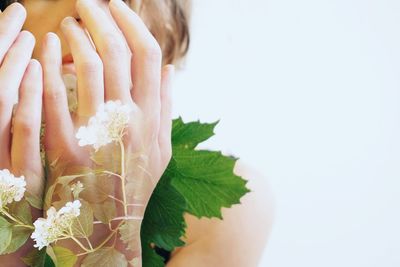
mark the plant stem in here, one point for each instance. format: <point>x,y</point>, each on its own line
<point>81,245</point>
<point>24,226</point>
<point>121,144</point>
<point>114,174</point>
<point>83,233</point>
<point>102,243</point>
<point>16,220</point>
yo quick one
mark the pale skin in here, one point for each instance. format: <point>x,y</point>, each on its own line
<point>116,32</point>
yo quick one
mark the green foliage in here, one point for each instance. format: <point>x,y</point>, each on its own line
<point>64,257</point>
<point>206,181</point>
<point>5,234</point>
<point>150,257</point>
<point>19,236</point>
<point>83,225</point>
<point>198,182</point>
<point>163,222</point>
<point>21,211</point>
<point>35,258</point>
<point>189,135</point>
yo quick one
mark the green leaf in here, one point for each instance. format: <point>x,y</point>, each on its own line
<point>34,201</point>
<point>35,258</point>
<point>19,237</point>
<point>65,257</point>
<point>5,234</point>
<point>105,257</point>
<point>83,225</point>
<point>48,262</point>
<point>22,211</point>
<point>163,222</point>
<point>151,258</point>
<point>189,135</point>
<point>207,182</point>
<point>130,234</point>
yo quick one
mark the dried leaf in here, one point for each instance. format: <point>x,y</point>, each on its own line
<point>83,225</point>
<point>105,257</point>
<point>105,211</point>
<point>130,234</point>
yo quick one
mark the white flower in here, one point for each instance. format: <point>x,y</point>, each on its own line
<point>76,189</point>
<point>56,224</point>
<point>106,126</point>
<point>11,188</point>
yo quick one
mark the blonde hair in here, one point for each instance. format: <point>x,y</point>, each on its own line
<point>168,21</point>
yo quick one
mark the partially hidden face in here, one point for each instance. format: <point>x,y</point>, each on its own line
<point>45,16</point>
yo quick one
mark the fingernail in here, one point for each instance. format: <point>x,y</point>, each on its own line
<point>15,9</point>
<point>67,20</point>
<point>117,3</point>
<point>34,66</point>
<point>51,39</point>
<point>85,2</point>
<point>28,36</point>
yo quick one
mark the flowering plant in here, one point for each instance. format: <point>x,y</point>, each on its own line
<point>108,197</point>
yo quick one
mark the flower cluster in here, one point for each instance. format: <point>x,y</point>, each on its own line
<point>11,188</point>
<point>56,225</point>
<point>106,126</point>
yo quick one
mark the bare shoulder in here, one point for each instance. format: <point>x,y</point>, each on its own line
<point>237,240</point>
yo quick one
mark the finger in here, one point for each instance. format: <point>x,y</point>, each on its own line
<point>164,136</point>
<point>11,21</point>
<point>11,73</point>
<point>25,148</point>
<point>146,60</point>
<point>57,117</point>
<point>88,65</point>
<point>112,49</point>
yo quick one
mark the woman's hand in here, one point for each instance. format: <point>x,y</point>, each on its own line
<point>125,53</point>
<point>20,78</point>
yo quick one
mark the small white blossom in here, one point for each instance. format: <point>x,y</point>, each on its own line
<point>76,189</point>
<point>106,126</point>
<point>55,225</point>
<point>11,188</point>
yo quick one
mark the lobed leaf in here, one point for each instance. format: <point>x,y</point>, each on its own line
<point>163,222</point>
<point>189,135</point>
<point>65,257</point>
<point>105,257</point>
<point>21,210</point>
<point>5,234</point>
<point>83,225</point>
<point>35,258</point>
<point>130,234</point>
<point>207,182</point>
<point>19,236</point>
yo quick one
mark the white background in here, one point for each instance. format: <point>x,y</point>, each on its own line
<point>309,94</point>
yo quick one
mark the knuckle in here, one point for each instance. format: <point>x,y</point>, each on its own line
<point>151,53</point>
<point>90,65</point>
<point>24,125</point>
<point>113,46</point>
<point>53,93</point>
